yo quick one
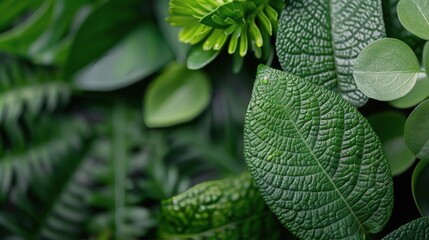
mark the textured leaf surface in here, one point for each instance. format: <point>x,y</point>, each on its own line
<point>414,16</point>
<point>319,41</point>
<point>387,69</point>
<point>416,132</point>
<point>419,185</point>
<point>414,230</point>
<point>223,209</point>
<point>317,162</point>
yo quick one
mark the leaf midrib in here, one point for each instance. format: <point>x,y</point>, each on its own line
<point>325,173</point>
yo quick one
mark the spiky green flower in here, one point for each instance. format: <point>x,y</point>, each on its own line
<point>213,22</point>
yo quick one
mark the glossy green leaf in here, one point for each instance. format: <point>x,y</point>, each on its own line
<point>416,131</point>
<point>176,96</point>
<point>420,182</point>
<point>387,69</point>
<point>416,229</point>
<point>93,39</point>
<point>389,127</point>
<point>139,54</point>
<point>199,58</point>
<point>414,16</point>
<point>419,93</point>
<point>319,41</point>
<point>224,209</point>
<point>316,160</point>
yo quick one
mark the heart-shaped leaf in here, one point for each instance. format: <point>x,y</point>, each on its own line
<point>414,16</point>
<point>416,132</point>
<point>316,160</point>
<point>387,69</point>
<point>176,96</point>
<point>417,229</point>
<point>223,209</point>
<point>319,41</point>
<point>420,187</point>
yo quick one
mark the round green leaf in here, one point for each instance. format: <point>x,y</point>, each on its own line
<point>199,58</point>
<point>389,127</point>
<point>419,93</point>
<point>416,131</point>
<point>136,56</point>
<point>386,69</point>
<point>177,96</point>
<point>420,187</point>
<point>414,16</point>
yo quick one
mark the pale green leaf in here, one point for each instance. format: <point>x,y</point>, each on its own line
<point>224,209</point>
<point>420,182</point>
<point>319,41</point>
<point>419,93</point>
<point>199,58</point>
<point>386,70</point>
<point>316,160</point>
<point>416,132</point>
<point>139,54</point>
<point>414,16</point>
<point>416,229</point>
<point>176,96</point>
<point>389,127</point>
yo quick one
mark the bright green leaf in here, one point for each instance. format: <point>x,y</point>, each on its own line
<point>420,187</point>
<point>223,209</point>
<point>199,58</point>
<point>389,127</point>
<point>139,54</point>
<point>316,160</point>
<point>176,96</point>
<point>414,16</point>
<point>387,69</point>
<point>319,41</point>
<point>419,93</point>
<point>416,229</point>
<point>416,132</point>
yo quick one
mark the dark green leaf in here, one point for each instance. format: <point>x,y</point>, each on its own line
<point>139,54</point>
<point>177,96</point>
<point>416,132</point>
<point>389,127</point>
<point>381,78</point>
<point>223,209</point>
<point>414,16</point>
<point>420,187</point>
<point>316,160</point>
<point>426,57</point>
<point>417,229</point>
<point>319,41</point>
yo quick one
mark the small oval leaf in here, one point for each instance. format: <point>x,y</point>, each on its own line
<point>316,160</point>
<point>414,16</point>
<point>176,96</point>
<point>386,69</point>
<point>416,229</point>
<point>223,209</point>
<point>416,130</point>
<point>389,127</point>
<point>420,187</point>
<point>198,58</point>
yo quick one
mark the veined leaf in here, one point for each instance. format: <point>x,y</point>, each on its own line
<point>223,209</point>
<point>416,132</point>
<point>316,160</point>
<point>387,69</point>
<point>319,41</point>
<point>414,16</point>
<point>417,229</point>
<point>419,187</point>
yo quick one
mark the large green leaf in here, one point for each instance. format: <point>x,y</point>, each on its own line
<point>177,96</point>
<point>316,160</point>
<point>387,69</point>
<point>414,16</point>
<point>224,209</point>
<point>319,41</point>
<point>419,186</point>
<point>139,54</point>
<point>416,132</point>
<point>416,229</point>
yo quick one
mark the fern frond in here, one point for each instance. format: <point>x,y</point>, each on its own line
<point>26,90</point>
